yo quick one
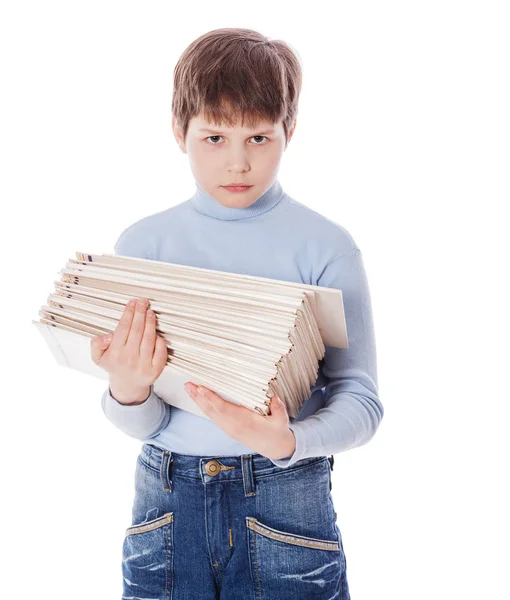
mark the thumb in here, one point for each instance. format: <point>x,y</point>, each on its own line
<point>277,406</point>
<point>98,346</point>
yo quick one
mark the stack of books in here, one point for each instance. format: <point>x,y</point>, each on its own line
<point>245,337</point>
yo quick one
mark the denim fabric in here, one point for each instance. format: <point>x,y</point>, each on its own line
<point>232,527</point>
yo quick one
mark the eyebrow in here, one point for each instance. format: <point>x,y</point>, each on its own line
<point>215,131</point>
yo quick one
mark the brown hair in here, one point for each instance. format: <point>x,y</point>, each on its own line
<point>232,71</point>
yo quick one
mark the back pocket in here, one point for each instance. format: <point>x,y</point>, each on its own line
<point>287,566</point>
<point>147,558</point>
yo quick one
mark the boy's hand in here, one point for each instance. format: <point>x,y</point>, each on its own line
<point>135,355</point>
<point>268,435</point>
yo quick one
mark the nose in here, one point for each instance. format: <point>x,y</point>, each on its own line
<point>237,160</point>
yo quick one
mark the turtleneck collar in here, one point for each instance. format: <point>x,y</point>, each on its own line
<point>207,205</point>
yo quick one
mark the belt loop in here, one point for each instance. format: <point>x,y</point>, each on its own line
<point>248,479</point>
<point>166,470</point>
<point>331,461</point>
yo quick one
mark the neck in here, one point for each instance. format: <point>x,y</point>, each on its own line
<point>206,204</point>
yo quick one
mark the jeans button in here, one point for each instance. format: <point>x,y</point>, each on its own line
<point>212,467</point>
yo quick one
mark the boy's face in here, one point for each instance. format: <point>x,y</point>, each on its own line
<point>222,156</point>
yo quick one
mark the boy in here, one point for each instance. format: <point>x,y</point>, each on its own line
<point>235,103</point>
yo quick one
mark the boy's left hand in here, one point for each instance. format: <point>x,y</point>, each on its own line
<point>268,435</point>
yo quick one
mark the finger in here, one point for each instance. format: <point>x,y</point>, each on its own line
<point>277,408</point>
<point>211,398</point>
<point>160,357</point>
<point>137,325</point>
<point>218,404</point>
<point>149,337</point>
<point>200,399</point>
<point>98,346</point>
<point>121,332</point>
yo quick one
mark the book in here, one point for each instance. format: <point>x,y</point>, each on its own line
<point>245,337</point>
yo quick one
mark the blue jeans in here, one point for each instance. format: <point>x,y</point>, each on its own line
<point>232,527</point>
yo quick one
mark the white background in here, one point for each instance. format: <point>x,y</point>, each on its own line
<point>403,138</point>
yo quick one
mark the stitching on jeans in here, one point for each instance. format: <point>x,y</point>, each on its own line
<point>146,464</point>
<point>150,525</point>
<point>292,469</point>
<point>172,568</point>
<point>259,582</point>
<point>166,561</point>
<point>166,564</point>
<point>290,538</point>
<point>260,475</point>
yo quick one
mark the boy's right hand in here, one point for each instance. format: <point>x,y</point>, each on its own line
<point>135,356</point>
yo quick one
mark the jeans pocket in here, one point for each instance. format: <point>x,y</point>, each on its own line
<point>147,558</point>
<point>288,566</point>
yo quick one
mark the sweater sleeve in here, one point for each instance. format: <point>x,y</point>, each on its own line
<point>352,410</point>
<point>148,419</point>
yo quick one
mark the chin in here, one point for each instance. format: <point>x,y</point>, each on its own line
<point>232,202</point>
<point>238,205</point>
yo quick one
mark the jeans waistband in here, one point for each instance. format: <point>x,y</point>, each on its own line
<point>195,466</point>
<point>209,469</point>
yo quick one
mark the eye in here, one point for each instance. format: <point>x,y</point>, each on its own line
<point>213,137</point>
<point>259,136</point>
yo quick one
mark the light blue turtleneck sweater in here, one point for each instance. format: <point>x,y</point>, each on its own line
<point>279,238</point>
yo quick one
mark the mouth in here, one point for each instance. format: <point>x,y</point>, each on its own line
<point>236,187</point>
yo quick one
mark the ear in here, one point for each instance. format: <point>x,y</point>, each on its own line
<point>293,128</point>
<point>291,132</point>
<point>178,134</point>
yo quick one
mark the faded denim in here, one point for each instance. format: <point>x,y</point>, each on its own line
<point>232,528</point>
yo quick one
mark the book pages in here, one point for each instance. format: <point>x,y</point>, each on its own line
<point>246,338</point>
